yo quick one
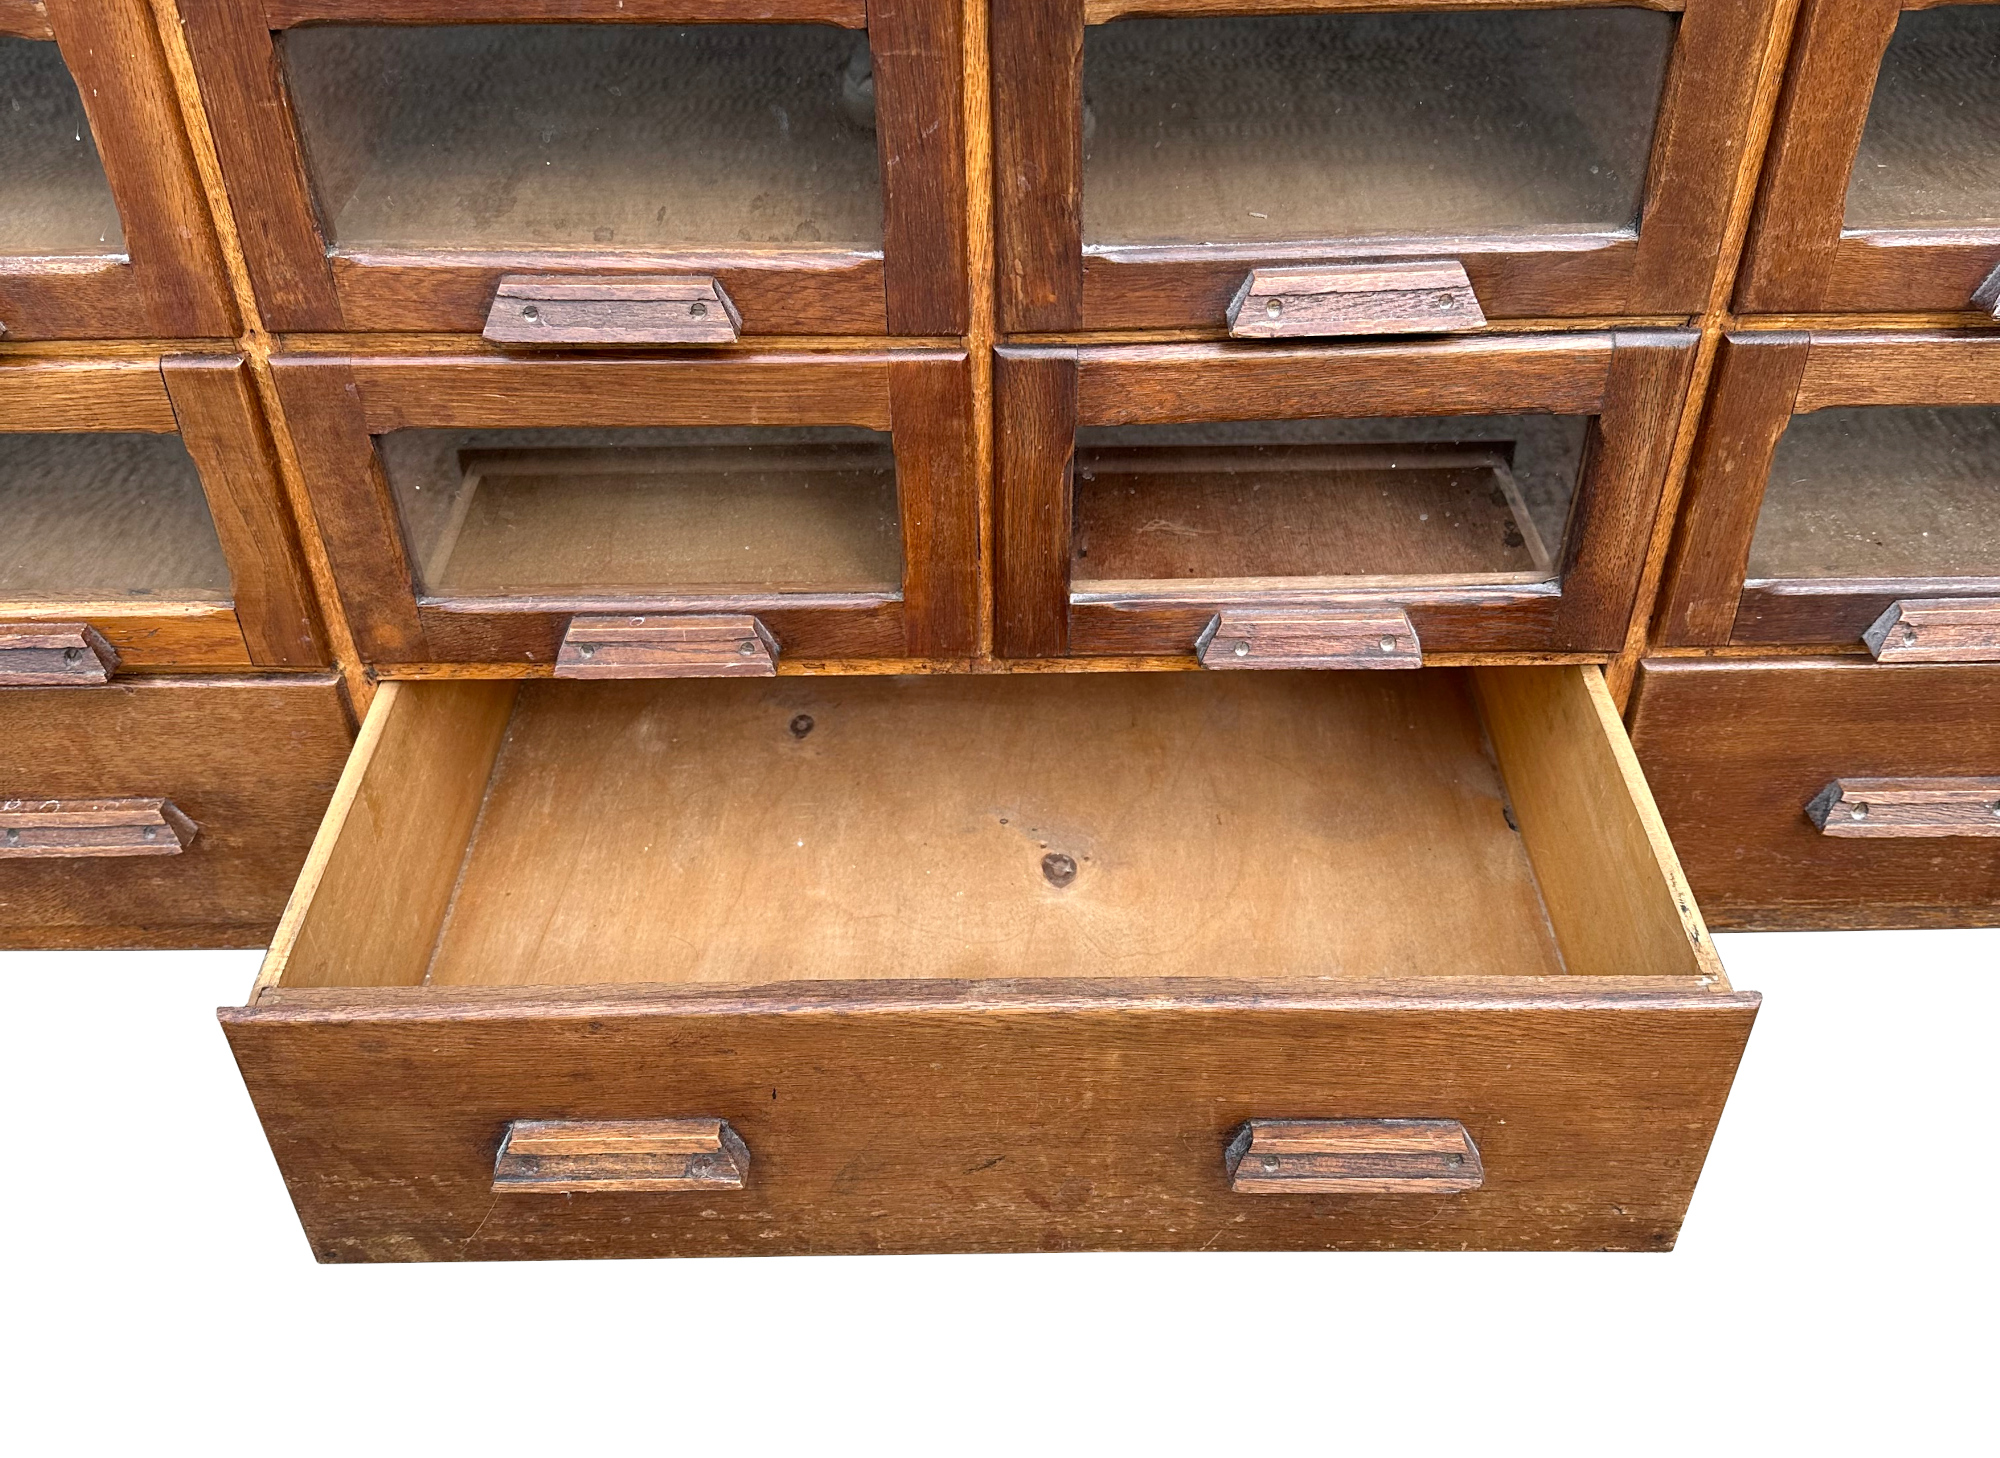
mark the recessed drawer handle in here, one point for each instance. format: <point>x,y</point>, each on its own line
<point>1937,630</point>
<point>1887,809</point>
<point>1309,638</point>
<point>49,829</point>
<point>667,645</point>
<point>1353,1157</point>
<point>52,654</point>
<point>1411,297</point>
<point>613,310</point>
<point>571,1156</point>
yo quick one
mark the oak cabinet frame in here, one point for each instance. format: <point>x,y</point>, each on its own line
<point>1631,382</point>
<point>1048,281</point>
<point>334,406</point>
<point>167,282</point>
<point>913,284</point>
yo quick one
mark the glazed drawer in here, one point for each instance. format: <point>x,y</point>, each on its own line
<point>1153,159</point>
<point>89,857</point>
<point>404,157</point>
<point>103,230</point>
<point>476,509</point>
<point>1472,496</point>
<point>1881,189</point>
<point>990,963</point>
<point>1739,753</point>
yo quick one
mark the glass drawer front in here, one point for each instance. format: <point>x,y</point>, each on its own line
<point>1301,127</point>
<point>1418,501</point>
<point>589,137</point>
<point>54,198</point>
<point>623,513</point>
<point>1930,154</point>
<point>1883,491</point>
<point>105,517</point>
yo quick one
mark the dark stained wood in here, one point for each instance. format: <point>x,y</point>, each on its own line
<point>251,761</point>
<point>604,309</point>
<point>1937,630</point>
<point>937,488</point>
<point>531,631</point>
<point>1417,296</point>
<point>627,1156</point>
<point>1037,48</point>
<point>669,645</point>
<point>96,828</point>
<point>1900,369</point>
<point>279,14</point>
<point>1831,614</point>
<point>919,66</point>
<point>50,654</point>
<point>1308,638</point>
<point>1885,809</point>
<point>1446,620</point>
<point>1035,419</point>
<point>1353,1157</point>
<point>1736,750</point>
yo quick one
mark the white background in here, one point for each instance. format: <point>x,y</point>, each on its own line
<point>1833,1291</point>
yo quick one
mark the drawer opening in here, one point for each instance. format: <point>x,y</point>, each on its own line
<point>54,196</point>
<point>1930,152</point>
<point>1259,827</point>
<point>589,138</point>
<point>1276,128</point>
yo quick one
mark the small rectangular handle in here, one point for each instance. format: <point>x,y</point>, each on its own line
<point>667,645</point>
<point>1353,1157</point>
<point>1309,638</point>
<point>1406,297</point>
<point>1887,809</point>
<point>611,310</point>
<point>1937,630</point>
<point>572,1156</point>
<point>54,654</point>
<point>48,829</point>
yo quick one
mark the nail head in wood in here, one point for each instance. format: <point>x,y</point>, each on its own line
<point>53,654</point>
<point>611,310</point>
<point>1353,1157</point>
<point>579,1156</point>
<point>1309,638</point>
<point>74,829</point>
<point>1408,297</point>
<point>667,645</point>
<point>1892,809</point>
<point>1937,630</point>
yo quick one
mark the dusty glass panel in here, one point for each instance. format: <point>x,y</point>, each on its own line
<point>54,198</point>
<point>621,513</point>
<point>589,137</point>
<point>1930,154</point>
<point>1300,127</point>
<point>91,518</point>
<point>1883,491</point>
<point>1433,499</point>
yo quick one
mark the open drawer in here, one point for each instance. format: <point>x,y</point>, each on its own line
<point>991,962</point>
<point>802,161</point>
<point>1422,167</point>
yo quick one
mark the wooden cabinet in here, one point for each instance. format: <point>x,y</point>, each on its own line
<point>402,157</point>
<point>1574,161</point>
<point>1881,193</point>
<point>103,230</point>
<point>140,500</point>
<point>1496,493</point>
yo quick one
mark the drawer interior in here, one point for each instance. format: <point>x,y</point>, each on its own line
<point>1930,152</point>
<point>1260,826</point>
<point>54,197</point>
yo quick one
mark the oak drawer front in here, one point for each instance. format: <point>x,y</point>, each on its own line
<point>245,767</point>
<point>103,230</point>
<point>487,510</point>
<point>1737,752</point>
<point>858,963</point>
<point>407,158</point>
<point>1468,496</point>
<point>1845,491</point>
<point>1153,159</point>
<point>141,502</point>
<point>1879,191</point>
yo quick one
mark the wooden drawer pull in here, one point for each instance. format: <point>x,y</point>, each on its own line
<point>52,654</point>
<point>530,309</point>
<point>1937,630</point>
<point>667,645</point>
<point>1353,1157</point>
<point>1410,297</point>
<point>567,1156</point>
<point>1886,809</point>
<point>1309,638</point>
<point>47,829</point>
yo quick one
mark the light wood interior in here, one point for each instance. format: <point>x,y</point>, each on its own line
<point>1930,153</point>
<point>1259,826</point>
<point>54,198</point>
<point>1883,491</point>
<point>1304,127</point>
<point>593,137</point>
<point>93,517</point>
